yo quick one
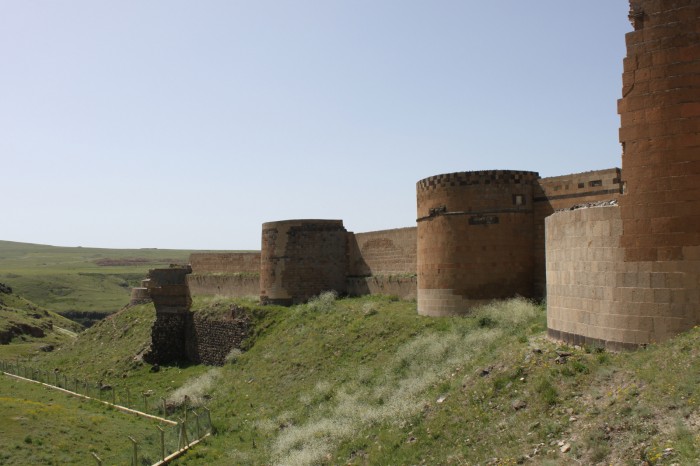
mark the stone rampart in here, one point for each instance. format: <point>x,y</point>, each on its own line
<point>302,258</point>
<point>392,285</point>
<point>225,263</point>
<point>224,284</point>
<point>652,242</point>
<point>594,296</point>
<point>385,252</point>
<point>562,192</point>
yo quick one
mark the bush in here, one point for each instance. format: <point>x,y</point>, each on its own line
<point>324,302</point>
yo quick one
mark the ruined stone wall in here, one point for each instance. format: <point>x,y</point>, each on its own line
<point>385,252</point>
<point>228,263</point>
<point>171,298</point>
<point>168,338</point>
<point>562,192</point>
<point>302,258</point>
<point>475,239</point>
<point>208,341</point>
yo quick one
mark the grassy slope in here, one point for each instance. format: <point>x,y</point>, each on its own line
<point>71,280</point>
<point>368,381</point>
<point>16,311</point>
<point>45,427</point>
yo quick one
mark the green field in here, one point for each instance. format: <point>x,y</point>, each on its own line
<point>81,283</point>
<point>41,426</point>
<point>368,381</point>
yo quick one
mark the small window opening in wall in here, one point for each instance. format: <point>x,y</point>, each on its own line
<point>581,185</point>
<point>595,183</point>
<point>518,199</point>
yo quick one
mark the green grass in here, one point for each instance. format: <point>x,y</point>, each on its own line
<point>20,319</point>
<point>45,427</point>
<point>368,381</point>
<point>79,281</point>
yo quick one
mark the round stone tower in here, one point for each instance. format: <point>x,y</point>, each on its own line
<point>302,258</point>
<point>475,239</point>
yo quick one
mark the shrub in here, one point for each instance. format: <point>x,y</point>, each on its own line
<point>233,355</point>
<point>195,390</point>
<point>324,302</point>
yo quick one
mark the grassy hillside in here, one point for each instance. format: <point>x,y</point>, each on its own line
<point>79,281</point>
<point>29,327</point>
<point>368,381</point>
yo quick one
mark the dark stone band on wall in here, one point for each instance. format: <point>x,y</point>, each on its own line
<point>574,339</point>
<point>575,195</point>
<point>476,212</point>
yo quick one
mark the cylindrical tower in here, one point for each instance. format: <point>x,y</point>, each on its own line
<point>475,239</point>
<point>660,131</point>
<point>302,258</point>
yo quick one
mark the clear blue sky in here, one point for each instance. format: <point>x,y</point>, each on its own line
<point>187,124</point>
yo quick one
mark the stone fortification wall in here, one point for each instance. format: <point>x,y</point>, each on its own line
<point>562,192</point>
<point>652,241</point>
<point>233,285</point>
<point>225,263</point>
<point>402,287</point>
<point>302,258</point>
<point>660,131</point>
<point>386,252</point>
<point>475,239</point>
<point>594,296</point>
<point>235,274</point>
<point>382,262</point>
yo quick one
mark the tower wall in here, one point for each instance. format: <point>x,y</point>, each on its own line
<point>631,275</point>
<point>660,130</point>
<point>302,258</point>
<point>475,239</point>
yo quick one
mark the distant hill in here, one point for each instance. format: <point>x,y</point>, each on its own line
<point>82,283</point>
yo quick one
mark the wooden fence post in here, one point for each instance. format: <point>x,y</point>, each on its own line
<point>162,443</point>
<point>127,397</point>
<point>184,441</point>
<point>196,419</point>
<point>136,450</point>
<point>208,418</point>
<point>165,410</point>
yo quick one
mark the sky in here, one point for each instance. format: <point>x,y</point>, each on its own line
<point>187,124</point>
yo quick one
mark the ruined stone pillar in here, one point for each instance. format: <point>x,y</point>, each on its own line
<point>171,296</point>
